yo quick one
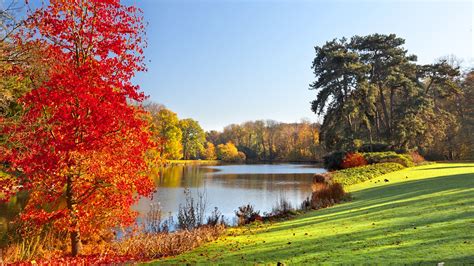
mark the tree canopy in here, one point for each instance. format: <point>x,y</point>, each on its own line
<point>193,139</point>
<point>370,89</point>
<point>165,126</point>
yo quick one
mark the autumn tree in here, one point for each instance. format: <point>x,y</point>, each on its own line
<point>166,127</point>
<point>209,152</point>
<point>466,136</point>
<point>23,66</point>
<point>193,138</point>
<point>229,153</point>
<point>79,140</point>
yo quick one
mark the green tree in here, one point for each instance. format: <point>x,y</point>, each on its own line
<point>193,138</point>
<point>371,89</point>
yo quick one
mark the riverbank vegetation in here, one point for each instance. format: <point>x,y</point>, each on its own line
<point>154,238</point>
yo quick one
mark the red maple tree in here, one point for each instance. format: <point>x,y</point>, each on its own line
<point>80,146</point>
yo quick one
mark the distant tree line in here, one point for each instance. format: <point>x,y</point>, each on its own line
<point>182,139</point>
<point>370,90</point>
<point>272,141</point>
<point>254,140</point>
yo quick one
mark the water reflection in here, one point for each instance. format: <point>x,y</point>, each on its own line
<point>8,212</point>
<point>227,187</point>
<point>230,186</point>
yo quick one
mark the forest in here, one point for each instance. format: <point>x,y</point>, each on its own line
<point>262,140</point>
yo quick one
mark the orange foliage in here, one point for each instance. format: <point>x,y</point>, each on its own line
<point>353,160</point>
<point>325,195</point>
<point>416,157</point>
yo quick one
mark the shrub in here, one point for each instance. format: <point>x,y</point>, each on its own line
<point>306,204</point>
<point>325,195</point>
<point>281,209</point>
<point>416,158</point>
<point>435,156</point>
<point>246,215</point>
<point>153,221</point>
<point>356,175</point>
<point>334,160</point>
<point>353,160</point>
<point>216,218</point>
<point>322,178</point>
<point>388,157</point>
<point>374,147</point>
<point>191,214</point>
<point>152,246</point>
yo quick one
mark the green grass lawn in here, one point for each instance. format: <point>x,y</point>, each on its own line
<point>422,215</point>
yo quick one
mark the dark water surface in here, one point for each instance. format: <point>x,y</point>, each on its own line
<point>229,186</point>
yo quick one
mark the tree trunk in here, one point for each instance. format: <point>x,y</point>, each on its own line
<point>75,243</point>
<point>71,205</point>
<point>385,112</point>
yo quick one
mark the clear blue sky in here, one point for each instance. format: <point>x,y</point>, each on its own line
<point>228,61</point>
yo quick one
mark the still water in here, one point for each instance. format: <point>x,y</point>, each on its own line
<point>226,187</point>
<point>229,186</point>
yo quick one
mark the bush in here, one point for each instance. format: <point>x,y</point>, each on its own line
<point>153,220</point>
<point>216,218</point>
<point>325,195</point>
<point>356,175</point>
<point>375,147</point>
<point>282,209</point>
<point>342,160</point>
<point>322,178</point>
<point>246,215</point>
<point>388,157</point>
<point>334,160</point>
<point>191,214</point>
<point>353,160</point>
<point>153,246</point>
<point>417,158</point>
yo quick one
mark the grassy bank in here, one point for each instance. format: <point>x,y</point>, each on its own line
<point>422,214</point>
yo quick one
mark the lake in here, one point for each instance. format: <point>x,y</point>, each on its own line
<point>229,186</point>
<point>226,187</point>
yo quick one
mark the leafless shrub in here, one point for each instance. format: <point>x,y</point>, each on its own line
<point>283,207</point>
<point>246,215</point>
<point>191,214</point>
<point>325,195</point>
<point>216,218</point>
<point>154,220</point>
